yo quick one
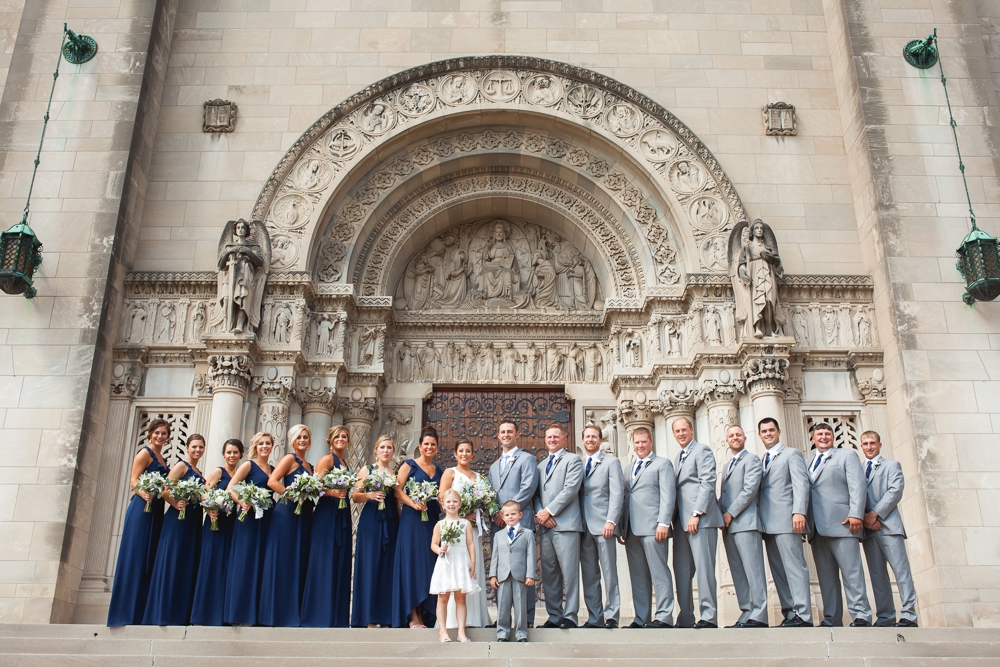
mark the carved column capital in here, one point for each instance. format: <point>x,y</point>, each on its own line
<point>680,399</point>
<point>765,374</point>
<point>229,372</point>
<point>125,385</point>
<point>715,390</point>
<point>633,414</point>
<point>866,368</point>
<point>276,389</point>
<point>202,385</point>
<point>316,400</point>
<point>360,410</point>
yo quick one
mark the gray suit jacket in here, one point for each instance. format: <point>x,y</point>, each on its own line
<point>740,489</point>
<point>885,490</point>
<point>518,483</point>
<point>838,492</point>
<point>603,495</point>
<point>696,478</point>
<point>784,491</point>
<point>559,491</point>
<point>515,558</point>
<point>650,498</point>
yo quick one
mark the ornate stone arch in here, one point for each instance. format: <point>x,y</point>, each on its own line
<point>662,175</point>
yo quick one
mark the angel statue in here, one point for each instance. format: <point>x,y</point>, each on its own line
<point>244,261</point>
<point>754,268</point>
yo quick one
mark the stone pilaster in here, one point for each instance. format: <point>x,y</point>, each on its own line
<point>792,430</point>
<point>722,397</point>
<point>275,392</point>
<point>318,403</point>
<point>870,378</point>
<point>359,414</point>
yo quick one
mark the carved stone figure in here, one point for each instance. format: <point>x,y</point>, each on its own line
<point>608,423</point>
<point>532,364</point>
<point>623,120</point>
<point>458,89</point>
<point>594,363</point>
<point>553,362</point>
<point>198,321</point>
<point>633,348</point>
<point>653,334</point>
<point>863,325</point>
<point>427,362</point>
<point>377,118</point>
<point>367,345</point>
<point>244,262</point>
<point>831,327</point>
<point>452,360</point>
<point>404,362</point>
<point>456,280</point>
<point>469,362</point>
<point>686,176</point>
<point>673,331</point>
<point>509,360</point>
<point>713,326</point>
<point>500,282</point>
<point>800,325</point>
<point>755,269</point>
<point>486,362</point>
<point>135,324</point>
<point>283,325</point>
<point>544,91</point>
<point>324,336</point>
<point>543,281</point>
<point>165,323</point>
<point>575,365</point>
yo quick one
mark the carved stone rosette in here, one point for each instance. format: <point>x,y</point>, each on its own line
<point>229,372</point>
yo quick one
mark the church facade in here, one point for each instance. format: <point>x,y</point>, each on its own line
<point>385,214</point>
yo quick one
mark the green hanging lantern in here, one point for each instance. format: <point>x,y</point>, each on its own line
<point>979,264</point>
<point>20,257</point>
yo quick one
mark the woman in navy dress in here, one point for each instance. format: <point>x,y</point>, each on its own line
<point>210,586</point>
<point>376,545</point>
<point>326,602</point>
<point>140,535</point>
<point>287,549</point>
<point>171,586</point>
<point>413,565</point>
<point>246,553</point>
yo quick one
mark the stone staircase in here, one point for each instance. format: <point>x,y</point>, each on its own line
<point>136,646</point>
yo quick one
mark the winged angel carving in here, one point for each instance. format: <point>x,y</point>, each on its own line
<point>502,264</point>
<point>755,267</point>
<point>244,262</point>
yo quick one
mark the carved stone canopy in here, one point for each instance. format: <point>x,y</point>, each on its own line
<point>499,264</point>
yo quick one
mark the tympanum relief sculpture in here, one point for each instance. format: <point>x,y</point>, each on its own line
<point>499,264</point>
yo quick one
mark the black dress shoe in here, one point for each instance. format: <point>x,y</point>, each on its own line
<point>737,624</point>
<point>658,624</point>
<point>502,640</point>
<point>522,640</point>
<point>611,623</point>
<point>861,623</point>
<point>753,624</point>
<point>492,625</point>
<point>549,624</point>
<point>795,622</point>
<point>567,624</point>
<point>702,625</point>
<point>634,625</point>
<point>906,623</point>
<point>593,625</point>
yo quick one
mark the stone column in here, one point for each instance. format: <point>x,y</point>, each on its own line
<point>203,411</point>
<point>109,487</point>
<point>679,400</point>
<point>359,415</point>
<point>870,379</point>
<point>765,369</point>
<point>229,376</point>
<point>792,432</point>
<point>275,393</point>
<point>633,413</point>
<point>317,404</point>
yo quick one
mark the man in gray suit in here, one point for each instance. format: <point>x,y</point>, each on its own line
<point>741,536</point>
<point>650,492</point>
<point>514,475</point>
<point>560,523</point>
<point>836,510</point>
<point>601,497</point>
<point>782,506</point>
<point>696,522</point>
<point>885,538</point>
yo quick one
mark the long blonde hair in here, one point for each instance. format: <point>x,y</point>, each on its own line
<point>294,432</point>
<point>254,441</point>
<point>332,433</point>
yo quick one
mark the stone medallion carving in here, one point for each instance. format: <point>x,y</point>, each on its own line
<point>714,252</point>
<point>674,156</point>
<point>284,251</point>
<point>499,264</point>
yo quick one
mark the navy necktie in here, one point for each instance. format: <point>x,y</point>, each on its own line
<point>819,459</point>
<point>548,466</point>
<point>590,464</point>
<point>510,533</point>
<point>868,470</point>
<point>732,464</point>
<point>638,469</point>
<point>767,460</point>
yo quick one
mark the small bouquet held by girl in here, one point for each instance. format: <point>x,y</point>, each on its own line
<point>340,479</point>
<point>453,535</point>
<point>306,487</point>
<point>217,500</point>
<point>480,498</point>
<point>186,490</point>
<point>254,497</point>
<point>421,492</point>
<point>152,483</point>
<point>379,480</point>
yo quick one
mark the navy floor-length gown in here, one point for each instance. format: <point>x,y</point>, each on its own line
<point>171,585</point>
<point>326,600</point>
<point>246,559</point>
<point>136,554</point>
<point>413,564</point>
<point>285,559</point>
<point>210,586</point>
<point>375,550</point>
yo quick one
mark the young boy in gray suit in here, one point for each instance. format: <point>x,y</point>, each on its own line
<point>512,570</point>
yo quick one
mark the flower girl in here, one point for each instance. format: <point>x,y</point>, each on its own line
<point>455,570</point>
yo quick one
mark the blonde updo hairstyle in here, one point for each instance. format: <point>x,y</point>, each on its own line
<point>255,441</point>
<point>382,438</point>
<point>294,432</point>
<point>334,432</point>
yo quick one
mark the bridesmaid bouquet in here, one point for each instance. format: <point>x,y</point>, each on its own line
<point>379,480</point>
<point>152,483</point>
<point>305,487</point>
<point>451,533</point>
<point>217,500</point>
<point>480,495</point>
<point>188,490</point>
<point>254,496</point>
<point>421,492</point>
<point>340,478</point>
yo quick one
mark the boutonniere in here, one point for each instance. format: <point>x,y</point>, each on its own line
<point>598,462</point>
<point>877,464</point>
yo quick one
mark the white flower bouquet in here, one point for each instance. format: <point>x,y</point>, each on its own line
<point>306,487</point>
<point>187,490</point>
<point>421,492</point>
<point>217,500</point>
<point>152,483</point>
<point>379,480</point>
<point>340,479</point>
<point>255,497</point>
